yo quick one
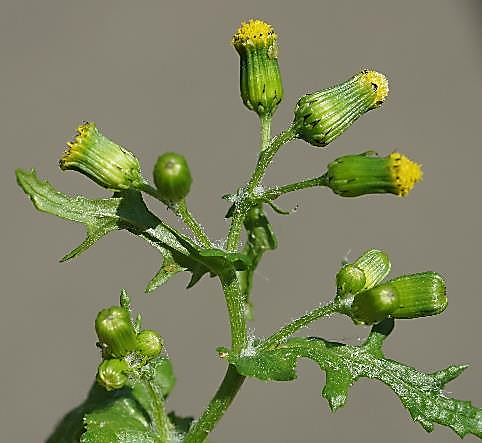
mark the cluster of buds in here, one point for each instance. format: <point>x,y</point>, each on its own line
<point>123,349</point>
<point>369,301</point>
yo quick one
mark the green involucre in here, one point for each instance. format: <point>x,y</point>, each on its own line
<point>102,160</point>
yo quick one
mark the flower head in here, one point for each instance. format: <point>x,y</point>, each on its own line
<point>322,116</point>
<point>105,162</point>
<point>260,77</point>
<point>354,175</point>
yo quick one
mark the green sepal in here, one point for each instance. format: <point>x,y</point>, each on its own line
<point>421,394</point>
<point>111,416</point>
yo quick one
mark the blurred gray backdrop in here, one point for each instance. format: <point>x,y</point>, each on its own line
<point>159,76</point>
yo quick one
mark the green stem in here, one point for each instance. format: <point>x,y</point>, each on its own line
<point>301,322</point>
<point>183,212</point>
<point>264,160</point>
<point>237,317</point>
<point>274,193</point>
<point>217,407</point>
<point>265,131</point>
<point>161,422</point>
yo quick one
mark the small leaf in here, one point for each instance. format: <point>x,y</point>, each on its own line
<point>422,394</point>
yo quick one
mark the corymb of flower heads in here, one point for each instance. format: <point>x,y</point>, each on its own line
<point>108,164</point>
<point>260,77</point>
<point>354,175</point>
<point>322,116</point>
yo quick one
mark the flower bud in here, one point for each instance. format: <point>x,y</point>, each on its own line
<point>112,374</point>
<point>260,77</point>
<point>172,177</point>
<point>354,175</point>
<point>420,295</point>
<point>115,331</point>
<point>350,280</point>
<point>375,264</point>
<point>100,159</point>
<point>364,273</point>
<point>322,116</point>
<point>149,343</point>
<point>374,305</point>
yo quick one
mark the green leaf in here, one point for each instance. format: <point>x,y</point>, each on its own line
<point>422,394</point>
<point>123,211</point>
<point>115,416</point>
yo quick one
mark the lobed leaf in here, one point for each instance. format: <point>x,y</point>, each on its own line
<point>420,393</point>
<point>128,211</point>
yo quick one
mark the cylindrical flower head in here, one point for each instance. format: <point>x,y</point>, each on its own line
<point>115,331</point>
<point>149,343</point>
<point>172,177</point>
<point>322,116</point>
<point>355,175</point>
<point>260,77</point>
<point>105,162</point>
<point>112,374</point>
<point>420,295</point>
<point>376,304</point>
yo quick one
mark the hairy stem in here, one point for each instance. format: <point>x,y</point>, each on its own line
<point>274,193</point>
<point>265,131</point>
<point>183,212</point>
<point>264,160</point>
<point>161,422</point>
<point>301,322</point>
<point>235,305</point>
<point>217,406</point>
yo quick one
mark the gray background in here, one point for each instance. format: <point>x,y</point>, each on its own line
<point>159,76</point>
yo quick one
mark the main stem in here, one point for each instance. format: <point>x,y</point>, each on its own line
<point>217,407</point>
<point>268,151</point>
<point>233,380</point>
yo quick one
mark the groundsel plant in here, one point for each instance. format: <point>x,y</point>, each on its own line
<point>127,402</point>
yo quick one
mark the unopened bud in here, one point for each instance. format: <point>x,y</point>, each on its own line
<point>149,343</point>
<point>420,295</point>
<point>376,304</point>
<point>115,331</point>
<point>112,374</point>
<point>172,177</point>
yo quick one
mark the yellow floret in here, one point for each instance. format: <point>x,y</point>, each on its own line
<point>380,84</point>
<point>405,173</point>
<point>254,32</point>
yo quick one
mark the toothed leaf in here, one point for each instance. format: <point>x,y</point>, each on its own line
<point>422,394</point>
<point>123,211</point>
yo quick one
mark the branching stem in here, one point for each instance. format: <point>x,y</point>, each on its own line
<point>301,322</point>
